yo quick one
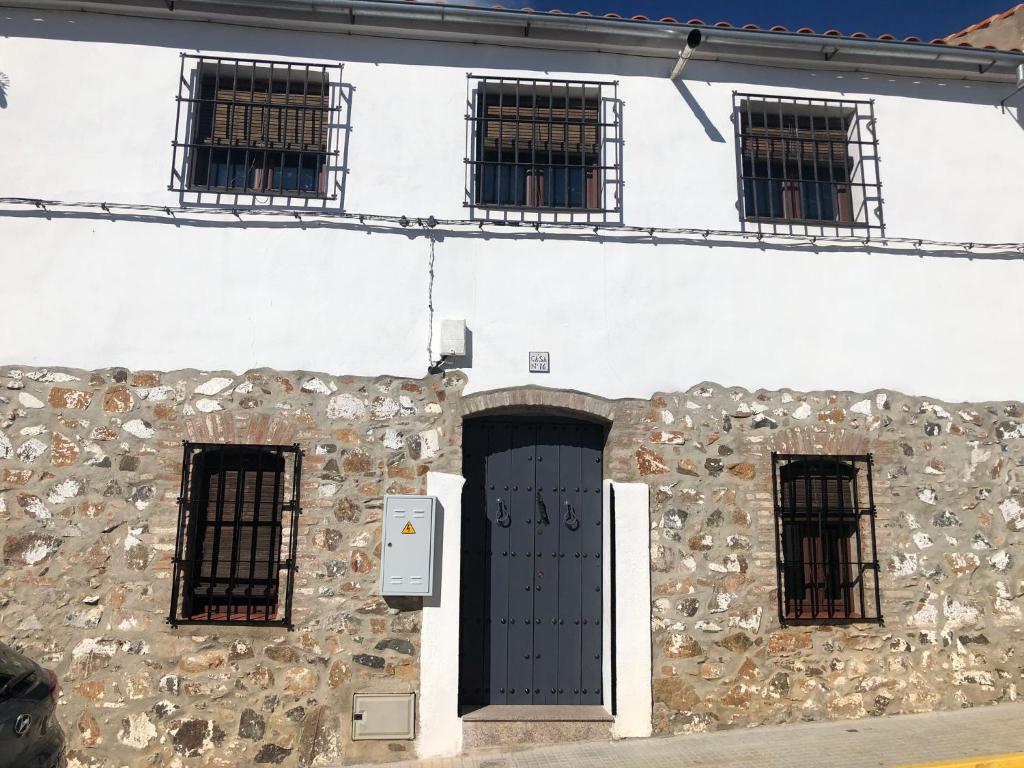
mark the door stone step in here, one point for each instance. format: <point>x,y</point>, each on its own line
<point>515,727</point>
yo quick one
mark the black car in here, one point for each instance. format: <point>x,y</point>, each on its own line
<point>30,736</point>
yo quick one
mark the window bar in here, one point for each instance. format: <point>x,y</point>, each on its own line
<point>255,529</point>
<point>860,554</point>
<point>843,541</point>
<point>832,192</point>
<point>276,536</point>
<point>855,514</point>
<point>236,532</point>
<point>814,540</point>
<point>786,193</point>
<point>779,543</point>
<point>182,83</point>
<point>861,169</point>
<point>218,523</point>
<point>549,169</point>
<point>211,142</point>
<point>282,135</point>
<point>179,542</point>
<point>802,532</point>
<point>471,133</point>
<point>248,115</point>
<point>874,548</point>
<point>516,125</point>
<point>273,561</point>
<point>232,117</point>
<point>816,144</point>
<point>745,132</point>
<point>296,511</point>
<point>534,180</point>
<point>877,177</point>
<point>262,184</point>
<point>301,126</point>
<point>566,186</point>
<point>193,547</point>
<point>584,170</point>
<point>768,162</point>
<point>501,141</point>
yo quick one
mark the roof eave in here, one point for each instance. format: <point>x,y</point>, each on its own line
<point>573,32</point>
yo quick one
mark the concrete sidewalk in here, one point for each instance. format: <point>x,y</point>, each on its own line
<point>877,742</point>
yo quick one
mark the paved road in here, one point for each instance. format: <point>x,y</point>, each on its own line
<point>871,743</point>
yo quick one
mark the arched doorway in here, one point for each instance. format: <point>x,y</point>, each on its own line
<point>532,602</point>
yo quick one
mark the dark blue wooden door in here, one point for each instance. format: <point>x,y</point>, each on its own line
<point>531,595</point>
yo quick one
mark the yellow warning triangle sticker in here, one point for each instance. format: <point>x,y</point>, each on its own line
<point>408,528</point>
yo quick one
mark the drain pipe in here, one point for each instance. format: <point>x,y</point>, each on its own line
<point>692,41</point>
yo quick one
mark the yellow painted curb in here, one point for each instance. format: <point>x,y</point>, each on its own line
<point>1012,760</point>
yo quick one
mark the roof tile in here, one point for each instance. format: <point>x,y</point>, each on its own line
<point>722,24</point>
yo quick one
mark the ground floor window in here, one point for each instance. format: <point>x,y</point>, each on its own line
<point>825,539</point>
<point>235,552</point>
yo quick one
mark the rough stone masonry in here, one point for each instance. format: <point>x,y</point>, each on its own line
<point>91,465</point>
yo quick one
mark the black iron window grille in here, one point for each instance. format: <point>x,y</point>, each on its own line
<point>826,557</point>
<point>257,129</point>
<point>543,149</point>
<point>807,166</point>
<point>234,558</point>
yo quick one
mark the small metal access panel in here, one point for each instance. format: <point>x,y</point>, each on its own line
<point>390,716</point>
<point>407,551</point>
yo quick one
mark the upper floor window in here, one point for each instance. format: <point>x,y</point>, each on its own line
<point>234,559</point>
<point>543,147</point>
<point>261,129</point>
<point>808,166</point>
<point>825,539</point>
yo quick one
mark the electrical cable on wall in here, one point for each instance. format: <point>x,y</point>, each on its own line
<point>430,223</point>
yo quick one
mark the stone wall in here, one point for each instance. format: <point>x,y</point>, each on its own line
<point>949,487</point>
<point>91,464</point>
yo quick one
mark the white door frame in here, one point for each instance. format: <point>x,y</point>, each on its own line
<point>440,727</point>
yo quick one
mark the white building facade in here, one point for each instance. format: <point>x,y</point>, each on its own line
<point>247,225</point>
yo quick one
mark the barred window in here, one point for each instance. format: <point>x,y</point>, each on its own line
<point>808,166</point>
<point>260,128</point>
<point>543,146</point>
<point>825,539</point>
<point>234,559</point>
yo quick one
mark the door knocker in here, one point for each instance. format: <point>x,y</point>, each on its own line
<point>502,518</point>
<point>571,521</point>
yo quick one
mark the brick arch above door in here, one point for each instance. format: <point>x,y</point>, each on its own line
<point>539,399</point>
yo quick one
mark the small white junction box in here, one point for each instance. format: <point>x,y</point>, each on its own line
<point>453,337</point>
<point>390,716</point>
<point>407,546</point>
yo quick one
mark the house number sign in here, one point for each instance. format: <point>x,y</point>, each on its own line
<point>540,362</point>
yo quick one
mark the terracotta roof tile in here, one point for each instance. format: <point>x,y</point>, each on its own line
<point>984,23</point>
<point>778,27</point>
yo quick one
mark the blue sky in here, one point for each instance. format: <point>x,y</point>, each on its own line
<point>925,18</point>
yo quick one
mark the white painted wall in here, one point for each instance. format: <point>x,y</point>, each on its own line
<point>90,113</point>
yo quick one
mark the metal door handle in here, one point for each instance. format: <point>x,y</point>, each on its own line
<point>542,510</point>
<point>571,521</point>
<point>502,518</point>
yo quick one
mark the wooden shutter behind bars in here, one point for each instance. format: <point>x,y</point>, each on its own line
<point>553,128</point>
<point>792,144</point>
<point>824,480</point>
<point>215,559</point>
<point>252,116</point>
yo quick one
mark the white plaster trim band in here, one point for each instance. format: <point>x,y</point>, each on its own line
<point>633,664</point>
<point>440,731</point>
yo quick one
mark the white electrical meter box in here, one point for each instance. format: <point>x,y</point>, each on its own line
<point>453,337</point>
<point>407,546</point>
<point>390,716</point>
